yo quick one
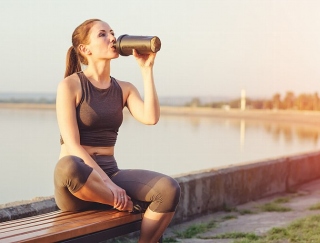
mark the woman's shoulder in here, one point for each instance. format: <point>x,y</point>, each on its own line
<point>71,82</point>
<point>69,89</point>
<point>124,84</point>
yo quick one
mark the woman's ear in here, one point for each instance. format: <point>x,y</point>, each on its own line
<point>84,50</point>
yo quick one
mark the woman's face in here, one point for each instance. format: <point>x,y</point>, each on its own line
<point>101,38</point>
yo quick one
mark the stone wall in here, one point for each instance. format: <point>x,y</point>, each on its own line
<point>215,190</point>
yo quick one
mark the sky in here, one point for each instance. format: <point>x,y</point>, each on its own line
<point>212,48</point>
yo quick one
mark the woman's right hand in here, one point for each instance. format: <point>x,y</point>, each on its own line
<point>120,198</point>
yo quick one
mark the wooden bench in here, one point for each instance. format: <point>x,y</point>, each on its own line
<point>88,226</point>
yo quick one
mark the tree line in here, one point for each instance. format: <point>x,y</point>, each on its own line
<point>289,101</point>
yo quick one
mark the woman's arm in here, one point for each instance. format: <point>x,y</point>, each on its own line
<point>146,111</point>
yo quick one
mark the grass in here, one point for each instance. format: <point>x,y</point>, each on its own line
<point>282,200</point>
<point>234,235</point>
<point>245,211</point>
<point>274,207</point>
<point>231,216</point>
<point>192,231</point>
<point>315,207</point>
<point>305,230</point>
<point>195,229</point>
<point>170,239</point>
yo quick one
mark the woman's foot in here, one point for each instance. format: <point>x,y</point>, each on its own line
<point>139,206</point>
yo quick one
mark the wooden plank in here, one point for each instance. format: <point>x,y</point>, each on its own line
<point>71,227</point>
<point>13,221</point>
<point>47,218</point>
<point>61,233</point>
<point>107,234</point>
<point>22,229</point>
<point>24,221</point>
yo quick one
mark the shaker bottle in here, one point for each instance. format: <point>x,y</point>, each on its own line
<point>142,44</point>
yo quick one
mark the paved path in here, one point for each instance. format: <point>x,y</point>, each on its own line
<point>258,223</point>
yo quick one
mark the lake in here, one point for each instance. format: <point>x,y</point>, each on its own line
<point>176,145</point>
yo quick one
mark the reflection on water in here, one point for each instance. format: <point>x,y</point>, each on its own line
<point>279,130</point>
<point>176,145</point>
<point>288,131</point>
<point>242,132</point>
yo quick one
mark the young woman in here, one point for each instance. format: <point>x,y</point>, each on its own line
<point>89,111</point>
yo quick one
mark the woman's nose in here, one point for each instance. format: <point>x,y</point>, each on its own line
<point>112,38</point>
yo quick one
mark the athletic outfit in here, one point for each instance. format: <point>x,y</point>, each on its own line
<point>99,116</point>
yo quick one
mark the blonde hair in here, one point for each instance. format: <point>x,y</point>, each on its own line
<point>80,36</point>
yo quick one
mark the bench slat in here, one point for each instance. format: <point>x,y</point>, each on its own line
<point>24,221</point>
<point>46,218</point>
<point>58,228</point>
<point>108,234</point>
<point>14,221</point>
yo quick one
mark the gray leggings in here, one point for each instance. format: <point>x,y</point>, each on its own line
<point>71,173</point>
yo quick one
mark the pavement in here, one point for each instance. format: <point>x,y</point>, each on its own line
<point>250,218</point>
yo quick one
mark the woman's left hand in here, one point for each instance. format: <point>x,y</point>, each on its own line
<point>144,60</point>
<point>120,197</point>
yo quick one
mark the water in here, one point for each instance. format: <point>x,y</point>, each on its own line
<point>29,144</point>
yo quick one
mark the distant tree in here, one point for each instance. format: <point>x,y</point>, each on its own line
<point>267,104</point>
<point>276,101</point>
<point>235,103</point>
<point>254,104</point>
<point>288,101</point>
<point>302,102</point>
<point>316,102</point>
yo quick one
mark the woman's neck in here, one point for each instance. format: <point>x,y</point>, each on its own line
<point>98,72</point>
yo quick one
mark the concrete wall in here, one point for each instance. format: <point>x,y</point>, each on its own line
<point>216,189</point>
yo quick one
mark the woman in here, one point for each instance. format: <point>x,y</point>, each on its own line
<point>89,111</point>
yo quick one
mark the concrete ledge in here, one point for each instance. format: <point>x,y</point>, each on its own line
<point>212,190</point>
<point>32,208</point>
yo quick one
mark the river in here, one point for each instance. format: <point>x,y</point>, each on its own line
<point>178,144</point>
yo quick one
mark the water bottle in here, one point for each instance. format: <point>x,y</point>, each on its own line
<point>142,44</point>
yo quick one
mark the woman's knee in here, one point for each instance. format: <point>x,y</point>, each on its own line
<point>71,172</point>
<point>173,191</point>
<point>169,196</point>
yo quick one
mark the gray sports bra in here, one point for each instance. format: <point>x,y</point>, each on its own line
<point>99,113</point>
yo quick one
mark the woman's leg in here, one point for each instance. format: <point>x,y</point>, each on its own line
<point>77,185</point>
<point>163,193</point>
<point>153,225</point>
<point>70,175</point>
<point>95,190</point>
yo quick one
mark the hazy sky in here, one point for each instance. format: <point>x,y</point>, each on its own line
<point>209,48</point>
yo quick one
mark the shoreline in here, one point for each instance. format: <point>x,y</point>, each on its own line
<point>306,117</point>
<point>27,106</point>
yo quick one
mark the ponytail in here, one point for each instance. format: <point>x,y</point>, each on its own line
<point>72,62</point>
<point>79,36</point>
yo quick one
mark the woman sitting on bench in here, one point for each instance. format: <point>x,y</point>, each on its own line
<point>89,111</point>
